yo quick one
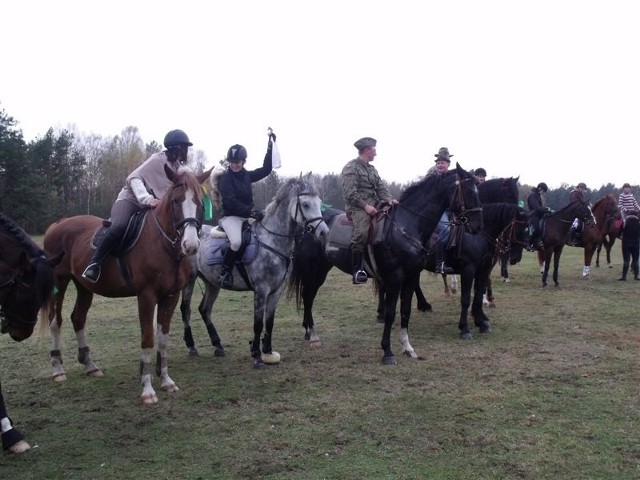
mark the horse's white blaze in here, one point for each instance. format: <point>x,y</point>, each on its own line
<point>407,349</point>
<point>190,240</point>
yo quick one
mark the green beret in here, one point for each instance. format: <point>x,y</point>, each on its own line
<point>364,143</point>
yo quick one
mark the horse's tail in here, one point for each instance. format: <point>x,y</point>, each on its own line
<point>294,283</point>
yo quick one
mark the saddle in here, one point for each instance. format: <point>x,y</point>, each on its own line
<point>342,230</point>
<point>131,233</point>
<point>216,249</point>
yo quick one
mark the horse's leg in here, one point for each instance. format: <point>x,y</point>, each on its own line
<point>310,287</point>
<point>447,290</point>
<point>556,264</point>
<point>146,313</point>
<point>504,268</point>
<point>380,310</point>
<point>608,247</point>
<point>55,329</point>
<point>185,310</point>
<point>210,296</point>
<point>79,320</point>
<point>12,439</point>
<point>588,256</point>
<point>166,307</point>
<point>406,297</point>
<point>422,304</point>
<point>482,280</point>
<point>490,298</point>
<point>466,280</point>
<point>269,356</point>
<point>598,250</point>
<point>545,265</point>
<point>390,293</point>
<point>259,301</point>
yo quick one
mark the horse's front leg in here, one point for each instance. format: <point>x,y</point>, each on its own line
<point>390,295</point>
<point>79,320</point>
<point>269,356</point>
<point>421,301</point>
<point>12,439</point>
<point>556,265</point>
<point>185,311</point>
<point>146,312</point>
<point>466,281</point>
<point>545,266</point>
<point>259,305</point>
<point>166,307</point>
<point>406,297</point>
<point>480,286</point>
<point>309,291</point>
<point>210,296</point>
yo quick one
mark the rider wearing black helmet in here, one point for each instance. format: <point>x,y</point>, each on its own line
<point>237,202</point>
<point>144,187</point>
<point>536,214</point>
<point>480,174</point>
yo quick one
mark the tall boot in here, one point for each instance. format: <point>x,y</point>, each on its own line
<point>359,275</point>
<point>441,265</point>
<point>625,269</point>
<point>225,280</point>
<point>94,269</point>
<point>573,241</point>
<point>634,269</point>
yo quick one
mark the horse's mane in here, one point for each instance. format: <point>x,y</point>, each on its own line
<point>13,229</point>
<point>426,183</point>
<point>503,189</point>
<point>293,186</point>
<point>608,197</point>
<point>214,189</point>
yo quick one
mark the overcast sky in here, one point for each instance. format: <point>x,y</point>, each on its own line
<point>545,90</point>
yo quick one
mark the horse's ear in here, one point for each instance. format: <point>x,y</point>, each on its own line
<point>204,175</point>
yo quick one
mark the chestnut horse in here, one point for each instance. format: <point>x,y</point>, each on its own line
<point>605,232</point>
<point>154,269</point>
<point>26,285</point>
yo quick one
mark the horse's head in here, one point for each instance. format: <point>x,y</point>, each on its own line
<point>306,209</point>
<point>586,214</point>
<point>463,198</point>
<point>184,205</point>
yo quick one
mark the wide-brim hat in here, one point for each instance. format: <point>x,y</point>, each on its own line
<point>443,154</point>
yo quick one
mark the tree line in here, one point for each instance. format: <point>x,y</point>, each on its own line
<point>65,173</point>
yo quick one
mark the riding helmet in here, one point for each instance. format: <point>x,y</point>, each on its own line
<point>480,172</point>
<point>582,185</point>
<point>236,153</point>
<point>542,186</point>
<point>175,138</point>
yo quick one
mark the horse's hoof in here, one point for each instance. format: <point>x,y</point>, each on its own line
<point>390,360</point>
<point>315,343</point>
<point>150,399</point>
<point>271,358</point>
<point>19,447</point>
<point>258,364</point>
<point>59,378</point>
<point>170,388</point>
<point>219,352</point>
<point>466,336</point>
<point>95,373</point>
<point>193,352</point>
<point>410,354</point>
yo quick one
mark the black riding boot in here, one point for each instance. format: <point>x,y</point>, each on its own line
<point>573,236</point>
<point>625,269</point>
<point>359,275</point>
<point>441,265</point>
<point>225,280</point>
<point>108,243</point>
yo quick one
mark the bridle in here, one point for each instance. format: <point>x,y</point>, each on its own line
<point>462,218</point>
<point>10,288</point>
<point>507,238</point>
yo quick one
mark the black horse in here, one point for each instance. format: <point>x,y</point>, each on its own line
<point>26,286</point>
<point>504,233</point>
<point>495,190</point>
<point>395,261</point>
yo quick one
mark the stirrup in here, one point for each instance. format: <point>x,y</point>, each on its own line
<point>225,280</point>
<point>443,268</point>
<point>92,272</point>
<point>359,277</point>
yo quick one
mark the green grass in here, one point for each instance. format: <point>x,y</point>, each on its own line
<point>551,393</point>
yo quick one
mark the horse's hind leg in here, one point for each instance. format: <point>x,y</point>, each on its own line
<point>12,439</point>
<point>79,320</point>
<point>185,310</point>
<point>206,305</point>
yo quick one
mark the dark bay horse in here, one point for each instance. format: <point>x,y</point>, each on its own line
<point>154,270</point>
<point>555,230</point>
<point>26,285</point>
<point>504,233</point>
<point>604,232</point>
<point>495,190</point>
<point>396,260</point>
<point>294,210</point>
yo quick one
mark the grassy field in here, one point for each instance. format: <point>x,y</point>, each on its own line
<point>552,393</point>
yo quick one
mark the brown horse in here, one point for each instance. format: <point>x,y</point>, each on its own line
<point>604,232</point>
<point>556,228</point>
<point>26,285</point>
<point>154,269</point>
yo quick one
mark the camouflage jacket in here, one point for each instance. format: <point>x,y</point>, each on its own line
<point>361,185</point>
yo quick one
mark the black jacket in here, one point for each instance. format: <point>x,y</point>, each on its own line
<point>235,188</point>
<point>631,231</point>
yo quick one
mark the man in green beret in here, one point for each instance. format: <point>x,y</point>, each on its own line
<point>362,189</point>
